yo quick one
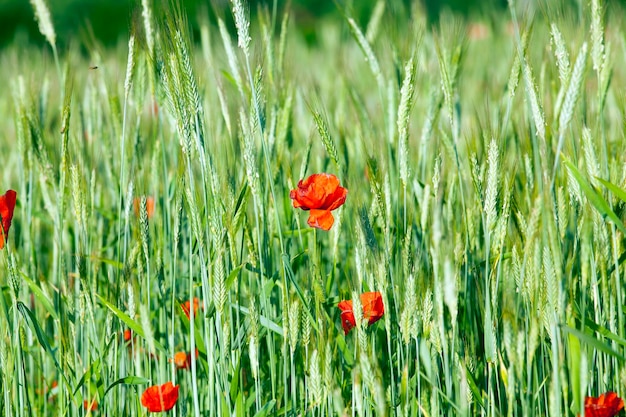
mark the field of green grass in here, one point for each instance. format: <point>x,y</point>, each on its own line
<point>486,186</point>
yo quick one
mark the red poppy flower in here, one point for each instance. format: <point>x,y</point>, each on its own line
<point>127,335</point>
<point>373,310</point>
<point>321,194</point>
<point>149,206</point>
<point>606,405</point>
<point>51,392</point>
<point>7,205</point>
<point>182,360</point>
<point>90,405</point>
<point>158,398</point>
<point>186,307</point>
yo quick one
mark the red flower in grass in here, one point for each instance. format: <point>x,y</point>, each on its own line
<point>51,392</point>
<point>90,405</point>
<point>127,335</point>
<point>149,206</point>
<point>373,310</point>
<point>7,205</point>
<point>606,405</point>
<point>158,398</point>
<point>186,306</point>
<point>182,360</point>
<point>321,194</point>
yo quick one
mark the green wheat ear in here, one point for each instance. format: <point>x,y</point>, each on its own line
<point>404,110</point>
<point>327,141</point>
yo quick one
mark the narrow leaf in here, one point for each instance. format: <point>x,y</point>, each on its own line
<point>267,408</point>
<point>128,380</point>
<point>132,324</point>
<point>594,198</point>
<point>593,342</point>
<point>41,297</point>
<point>32,322</point>
<point>619,193</point>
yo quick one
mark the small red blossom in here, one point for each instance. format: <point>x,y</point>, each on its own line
<point>606,405</point>
<point>50,392</point>
<point>7,205</point>
<point>373,310</point>
<point>321,194</point>
<point>182,360</point>
<point>149,206</point>
<point>186,306</point>
<point>90,405</point>
<point>127,335</point>
<point>158,398</point>
<point>129,340</point>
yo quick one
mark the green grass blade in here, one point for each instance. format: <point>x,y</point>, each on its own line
<point>267,408</point>
<point>86,375</point>
<point>593,342</point>
<point>132,324</point>
<point>41,297</point>
<point>619,193</point>
<point>32,322</point>
<point>605,332</point>
<point>264,321</point>
<point>128,380</point>
<point>594,198</point>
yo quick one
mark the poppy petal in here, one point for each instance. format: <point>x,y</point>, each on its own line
<point>158,398</point>
<point>321,219</point>
<point>319,192</point>
<point>373,308</point>
<point>306,196</point>
<point>606,405</point>
<point>181,360</point>
<point>324,187</point>
<point>149,206</point>
<point>293,194</point>
<point>336,198</point>
<point>186,306</point>
<point>90,405</point>
<point>329,194</point>
<point>7,205</point>
<point>127,335</point>
<point>347,315</point>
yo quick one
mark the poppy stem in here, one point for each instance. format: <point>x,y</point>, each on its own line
<point>316,260</point>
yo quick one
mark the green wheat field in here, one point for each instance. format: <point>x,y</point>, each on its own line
<point>486,175</point>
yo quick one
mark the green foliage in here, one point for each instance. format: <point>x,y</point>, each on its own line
<point>485,176</point>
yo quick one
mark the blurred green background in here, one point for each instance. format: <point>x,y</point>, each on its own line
<point>105,21</point>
